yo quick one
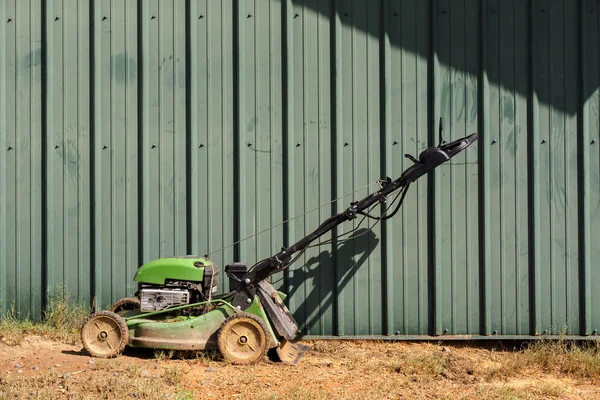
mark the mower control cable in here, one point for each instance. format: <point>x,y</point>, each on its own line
<point>293,218</point>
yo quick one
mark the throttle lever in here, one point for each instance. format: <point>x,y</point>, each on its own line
<point>411,158</point>
<point>441,134</point>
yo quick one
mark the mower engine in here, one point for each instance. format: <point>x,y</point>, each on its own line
<point>177,281</point>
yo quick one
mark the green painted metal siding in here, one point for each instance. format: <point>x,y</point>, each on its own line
<point>132,130</point>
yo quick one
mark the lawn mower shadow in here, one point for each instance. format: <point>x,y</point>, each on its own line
<point>331,271</point>
<point>142,353</point>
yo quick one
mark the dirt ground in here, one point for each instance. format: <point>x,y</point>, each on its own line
<point>39,368</point>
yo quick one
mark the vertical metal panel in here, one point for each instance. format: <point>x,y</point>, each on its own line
<point>555,58</point>
<point>115,149</point>
<point>212,156</point>
<point>456,189</point>
<point>131,130</point>
<point>505,147</point>
<point>590,165</point>
<point>407,257</point>
<point>20,158</point>
<point>358,262</point>
<point>68,147</point>
<point>164,143</point>
<point>309,144</point>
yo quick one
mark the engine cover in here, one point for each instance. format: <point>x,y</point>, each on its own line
<point>159,299</point>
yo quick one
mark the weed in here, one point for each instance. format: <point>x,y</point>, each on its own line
<point>61,320</point>
<point>173,375</point>
<point>134,371</point>
<point>184,394</point>
<point>61,313</point>
<point>162,355</point>
<point>206,356</point>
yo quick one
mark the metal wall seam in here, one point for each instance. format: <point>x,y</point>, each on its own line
<point>287,122</point>
<point>245,188</point>
<point>277,130</point>
<point>131,130</point>
<point>485,205</point>
<point>146,216</point>
<point>179,128</point>
<point>227,118</point>
<point>434,178</point>
<point>264,115</point>
<point>570,319</point>
<point>338,118</point>
<point>3,161</point>
<point>534,211</point>
<point>9,127</point>
<point>152,153</point>
<point>36,234</point>
<point>346,155</point>
<point>97,259</point>
<point>386,131</point>
<point>309,144</point>
<point>423,215</point>
<point>470,161</point>
<point>49,167</point>
<point>102,113</point>
<point>594,167</point>
<point>583,178</point>
<point>297,156</point>
<point>521,74</point>
<point>199,21</point>
<point>306,84</point>
<point>374,167</point>
<point>326,311</point>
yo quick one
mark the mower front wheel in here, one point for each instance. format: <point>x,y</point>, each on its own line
<point>243,339</point>
<point>104,334</point>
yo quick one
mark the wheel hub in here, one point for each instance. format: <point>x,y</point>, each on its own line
<point>243,339</point>
<point>103,335</point>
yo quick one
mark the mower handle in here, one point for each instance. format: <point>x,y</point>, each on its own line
<point>428,160</point>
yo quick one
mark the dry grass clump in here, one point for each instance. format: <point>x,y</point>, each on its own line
<point>577,359</point>
<point>61,320</point>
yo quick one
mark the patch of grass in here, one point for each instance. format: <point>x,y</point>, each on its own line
<point>61,320</point>
<point>297,393</point>
<point>424,365</point>
<point>550,390</point>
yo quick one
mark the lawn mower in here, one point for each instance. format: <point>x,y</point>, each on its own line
<point>177,306</point>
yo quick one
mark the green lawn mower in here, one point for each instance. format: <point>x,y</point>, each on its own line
<point>177,306</point>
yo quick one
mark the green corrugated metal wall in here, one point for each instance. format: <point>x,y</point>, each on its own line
<point>131,130</point>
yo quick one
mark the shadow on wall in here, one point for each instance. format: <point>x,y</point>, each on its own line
<point>349,256</point>
<point>525,47</point>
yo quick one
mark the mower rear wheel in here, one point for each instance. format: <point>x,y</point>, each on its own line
<point>104,334</point>
<point>243,339</point>
<point>126,304</point>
